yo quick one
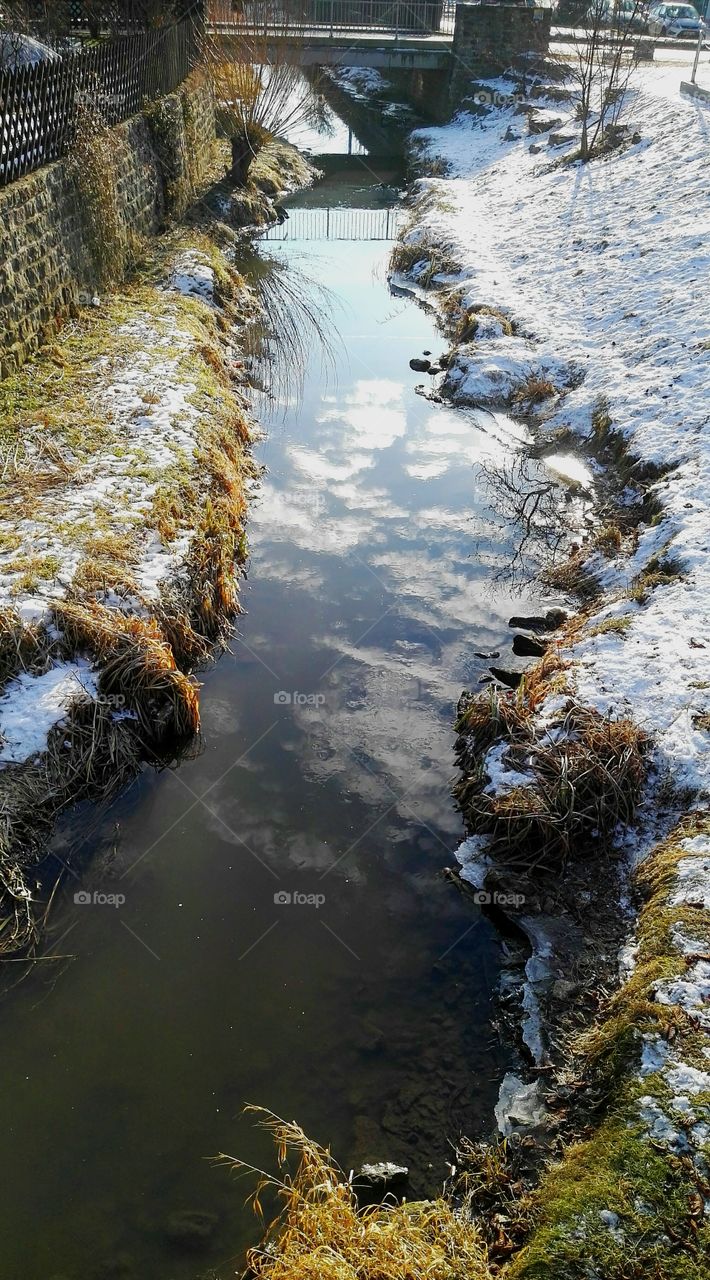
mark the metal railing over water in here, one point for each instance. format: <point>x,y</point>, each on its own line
<point>338,224</point>
<point>298,18</point>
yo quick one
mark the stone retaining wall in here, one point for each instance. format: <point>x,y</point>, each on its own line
<point>48,257</point>
<point>489,37</point>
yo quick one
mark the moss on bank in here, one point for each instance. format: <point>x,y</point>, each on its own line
<point>647,1161</point>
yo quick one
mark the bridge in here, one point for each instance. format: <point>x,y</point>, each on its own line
<point>407,35</point>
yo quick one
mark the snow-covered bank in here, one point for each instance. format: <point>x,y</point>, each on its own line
<point>601,268</point>
<point>126,460</point>
<point>586,284</point>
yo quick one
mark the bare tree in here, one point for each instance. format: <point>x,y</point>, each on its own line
<point>260,92</point>
<point>537,513</point>
<point>604,58</point>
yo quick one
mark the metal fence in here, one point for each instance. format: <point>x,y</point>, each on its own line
<point>100,16</point>
<point>405,17</point>
<point>337,224</point>
<point>40,104</point>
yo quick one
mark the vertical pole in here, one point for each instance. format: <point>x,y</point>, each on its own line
<point>332,8</point>
<point>327,223</point>
<point>350,142</point>
<point>697,56</point>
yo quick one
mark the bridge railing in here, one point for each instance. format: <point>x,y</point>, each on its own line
<point>338,224</point>
<point>405,17</point>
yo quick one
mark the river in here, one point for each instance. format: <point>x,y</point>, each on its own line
<point>287,936</point>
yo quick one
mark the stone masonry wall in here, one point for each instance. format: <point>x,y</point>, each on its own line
<point>47,261</point>
<point>489,37</point>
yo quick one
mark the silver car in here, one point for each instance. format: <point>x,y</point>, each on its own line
<point>678,20</point>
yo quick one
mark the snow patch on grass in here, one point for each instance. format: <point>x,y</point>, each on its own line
<point>32,705</point>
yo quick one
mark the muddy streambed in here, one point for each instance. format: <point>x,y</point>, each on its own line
<point>272,923</point>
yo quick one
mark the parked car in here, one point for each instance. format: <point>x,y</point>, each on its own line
<point>682,21</point>
<point>18,50</point>
<point>625,15</point>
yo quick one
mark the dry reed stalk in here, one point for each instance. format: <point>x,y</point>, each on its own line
<point>321,1233</point>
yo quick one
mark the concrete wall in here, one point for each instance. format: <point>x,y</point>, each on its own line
<point>49,263</point>
<point>489,37</point>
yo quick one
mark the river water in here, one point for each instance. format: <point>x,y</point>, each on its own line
<point>287,936</point>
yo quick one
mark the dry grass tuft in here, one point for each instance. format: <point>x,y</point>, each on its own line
<point>534,390</point>
<point>434,261</point>
<point>608,540</point>
<point>583,781</point>
<point>136,664</point>
<point>573,578</point>
<point>492,1176</point>
<point>23,646</point>
<point>321,1233</point>
<point>469,321</point>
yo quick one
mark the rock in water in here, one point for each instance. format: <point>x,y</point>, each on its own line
<point>419,365</point>
<point>191,1229</point>
<point>551,621</point>
<point>511,678</point>
<point>382,1176</point>
<point>527,647</point>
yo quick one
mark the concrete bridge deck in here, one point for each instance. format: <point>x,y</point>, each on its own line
<point>340,47</point>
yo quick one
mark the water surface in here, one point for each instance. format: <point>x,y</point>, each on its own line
<point>287,936</point>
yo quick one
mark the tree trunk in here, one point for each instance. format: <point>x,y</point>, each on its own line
<point>242,156</point>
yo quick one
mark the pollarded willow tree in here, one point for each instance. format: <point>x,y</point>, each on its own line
<point>605,55</point>
<point>260,92</point>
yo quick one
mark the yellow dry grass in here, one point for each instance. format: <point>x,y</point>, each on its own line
<point>320,1232</point>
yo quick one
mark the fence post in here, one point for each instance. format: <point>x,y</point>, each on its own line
<point>697,55</point>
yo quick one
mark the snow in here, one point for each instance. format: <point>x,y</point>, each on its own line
<point>502,776</point>
<point>474,861</point>
<point>601,268</point>
<point>362,83</point>
<point>654,1055</point>
<point>539,974</point>
<point>693,885</point>
<point>31,705</point>
<point>193,276</point>
<point>519,1104</point>
<point>691,992</point>
<point>151,425</point>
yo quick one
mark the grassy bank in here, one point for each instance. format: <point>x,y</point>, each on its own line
<point>125,453</point>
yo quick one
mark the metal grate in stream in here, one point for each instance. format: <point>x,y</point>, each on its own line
<point>338,224</point>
